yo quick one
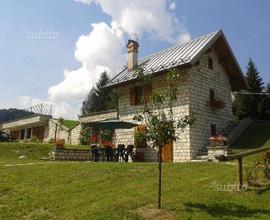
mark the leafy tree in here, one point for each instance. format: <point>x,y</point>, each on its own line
<point>161,125</point>
<point>250,105</point>
<point>12,114</point>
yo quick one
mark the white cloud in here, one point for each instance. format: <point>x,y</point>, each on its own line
<point>172,5</point>
<point>137,16</point>
<point>102,48</point>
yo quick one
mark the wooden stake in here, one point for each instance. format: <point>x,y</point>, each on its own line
<point>240,172</point>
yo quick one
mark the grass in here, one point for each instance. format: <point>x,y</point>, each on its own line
<point>86,190</point>
<point>256,136</point>
<point>70,123</point>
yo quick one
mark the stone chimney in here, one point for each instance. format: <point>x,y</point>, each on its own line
<point>132,47</point>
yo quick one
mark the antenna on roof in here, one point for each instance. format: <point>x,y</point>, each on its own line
<point>41,109</point>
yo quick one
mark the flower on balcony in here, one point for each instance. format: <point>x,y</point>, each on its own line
<point>218,140</point>
<point>217,103</point>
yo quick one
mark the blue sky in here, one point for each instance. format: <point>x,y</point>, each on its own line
<point>30,67</point>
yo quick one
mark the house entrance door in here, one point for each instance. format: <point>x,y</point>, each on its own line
<point>167,152</point>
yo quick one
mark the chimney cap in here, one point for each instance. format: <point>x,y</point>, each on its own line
<point>135,43</point>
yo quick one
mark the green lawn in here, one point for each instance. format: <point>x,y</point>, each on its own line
<point>257,135</point>
<point>86,190</point>
<point>70,123</point>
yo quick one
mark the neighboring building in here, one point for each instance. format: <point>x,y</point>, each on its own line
<point>209,71</point>
<point>44,128</point>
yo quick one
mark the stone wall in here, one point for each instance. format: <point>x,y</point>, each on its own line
<point>75,134</point>
<point>180,108</point>
<point>112,114</point>
<point>72,154</point>
<point>62,133</point>
<point>202,79</point>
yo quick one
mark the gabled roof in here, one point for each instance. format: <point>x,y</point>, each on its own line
<point>187,54</point>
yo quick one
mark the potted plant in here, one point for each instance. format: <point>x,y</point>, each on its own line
<point>140,140</point>
<point>106,138</point>
<point>59,144</point>
<point>218,140</point>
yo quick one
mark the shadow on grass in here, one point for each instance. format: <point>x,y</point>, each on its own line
<point>259,190</point>
<point>256,136</point>
<point>225,210</point>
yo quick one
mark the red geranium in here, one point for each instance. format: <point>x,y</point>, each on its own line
<point>94,138</point>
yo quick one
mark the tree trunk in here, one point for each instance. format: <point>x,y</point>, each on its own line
<point>55,132</point>
<point>159,176</point>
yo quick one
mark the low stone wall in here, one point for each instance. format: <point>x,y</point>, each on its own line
<point>72,154</point>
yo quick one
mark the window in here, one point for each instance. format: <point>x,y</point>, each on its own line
<point>212,95</point>
<point>22,134</point>
<point>210,63</point>
<point>213,129</point>
<point>139,95</point>
<point>28,132</point>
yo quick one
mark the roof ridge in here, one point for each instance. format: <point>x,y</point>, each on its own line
<point>170,58</point>
<point>177,45</point>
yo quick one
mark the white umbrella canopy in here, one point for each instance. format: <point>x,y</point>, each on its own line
<point>112,124</point>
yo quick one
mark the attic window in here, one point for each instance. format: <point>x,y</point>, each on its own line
<point>210,63</point>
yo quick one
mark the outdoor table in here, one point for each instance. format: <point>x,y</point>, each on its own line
<point>102,153</point>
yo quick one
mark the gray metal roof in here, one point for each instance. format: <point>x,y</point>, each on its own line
<point>187,53</point>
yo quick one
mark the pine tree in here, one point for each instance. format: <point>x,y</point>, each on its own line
<point>100,98</point>
<point>254,80</point>
<point>250,105</point>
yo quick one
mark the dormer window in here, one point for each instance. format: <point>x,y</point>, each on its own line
<point>210,63</point>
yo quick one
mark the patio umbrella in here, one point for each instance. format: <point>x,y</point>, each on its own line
<point>113,124</point>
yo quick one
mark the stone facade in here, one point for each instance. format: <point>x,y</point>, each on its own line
<point>193,96</point>
<point>74,136</point>
<point>201,81</point>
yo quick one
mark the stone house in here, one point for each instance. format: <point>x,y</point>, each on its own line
<point>209,72</point>
<point>44,128</point>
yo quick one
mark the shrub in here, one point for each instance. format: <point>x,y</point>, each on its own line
<point>34,139</point>
<point>59,143</point>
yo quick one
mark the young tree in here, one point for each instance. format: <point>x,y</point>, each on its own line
<point>161,125</point>
<point>250,105</point>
